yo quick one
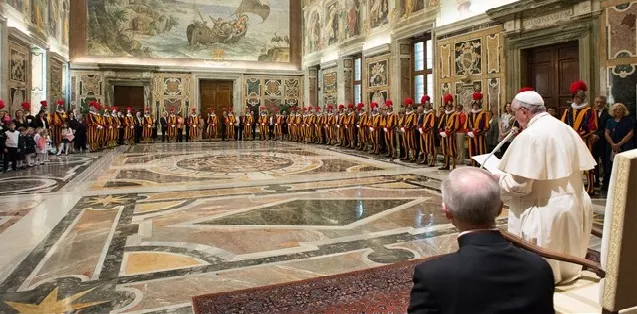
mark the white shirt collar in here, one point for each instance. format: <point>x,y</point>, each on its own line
<point>574,106</point>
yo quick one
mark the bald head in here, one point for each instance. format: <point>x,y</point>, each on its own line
<point>472,196</point>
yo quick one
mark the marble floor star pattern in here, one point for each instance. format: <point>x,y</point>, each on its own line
<point>142,229</point>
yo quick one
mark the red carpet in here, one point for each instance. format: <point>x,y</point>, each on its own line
<point>382,289</point>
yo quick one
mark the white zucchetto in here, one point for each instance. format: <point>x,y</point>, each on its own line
<point>532,98</point>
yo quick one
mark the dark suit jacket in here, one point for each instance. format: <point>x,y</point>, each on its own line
<point>601,129</point>
<point>487,275</point>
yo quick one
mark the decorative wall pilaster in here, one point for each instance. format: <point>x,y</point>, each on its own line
<point>401,72</point>
<point>346,80</point>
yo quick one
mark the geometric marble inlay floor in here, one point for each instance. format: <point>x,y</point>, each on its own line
<point>145,228</point>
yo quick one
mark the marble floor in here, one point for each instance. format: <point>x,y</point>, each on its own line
<point>142,229</point>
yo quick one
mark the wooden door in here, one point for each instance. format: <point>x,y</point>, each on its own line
<point>551,70</point>
<point>129,96</point>
<point>215,94</point>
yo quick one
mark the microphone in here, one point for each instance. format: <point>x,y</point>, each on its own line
<point>512,133</point>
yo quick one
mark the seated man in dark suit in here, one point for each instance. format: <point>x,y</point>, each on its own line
<point>487,274</point>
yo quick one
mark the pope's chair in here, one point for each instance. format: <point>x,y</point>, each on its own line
<point>612,285</point>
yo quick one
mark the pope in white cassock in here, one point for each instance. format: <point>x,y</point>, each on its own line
<point>543,165</point>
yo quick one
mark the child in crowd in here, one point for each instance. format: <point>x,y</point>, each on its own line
<point>29,147</point>
<point>11,147</point>
<point>22,144</point>
<point>40,145</point>
<point>67,139</point>
<point>49,146</point>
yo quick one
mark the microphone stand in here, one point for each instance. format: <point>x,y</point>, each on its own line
<point>511,134</point>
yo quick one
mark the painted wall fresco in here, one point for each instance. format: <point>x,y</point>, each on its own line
<point>452,11</point>
<point>275,93</point>
<point>251,30</point>
<point>469,63</point>
<point>377,79</point>
<point>330,87</point>
<point>331,22</point>
<point>49,19</point>
<point>19,86</point>
<point>619,52</point>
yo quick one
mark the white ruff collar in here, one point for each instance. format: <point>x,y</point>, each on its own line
<point>576,107</point>
<point>449,111</point>
<point>427,111</point>
<point>476,111</point>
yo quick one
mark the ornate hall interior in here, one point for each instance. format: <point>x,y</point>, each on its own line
<point>206,223</point>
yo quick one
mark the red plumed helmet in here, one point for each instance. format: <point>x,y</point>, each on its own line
<point>148,109</point>
<point>1,104</point>
<point>578,86</point>
<point>425,98</point>
<point>390,103</point>
<point>373,105</point>
<point>360,106</point>
<point>526,89</point>
<point>409,102</point>
<point>26,106</point>
<point>193,109</point>
<point>350,106</point>
<point>173,109</point>
<point>477,96</point>
<point>107,108</point>
<point>129,109</point>
<point>447,98</point>
<point>340,107</point>
<point>44,103</point>
<point>60,102</point>
<point>330,107</point>
<point>318,108</point>
<point>114,108</point>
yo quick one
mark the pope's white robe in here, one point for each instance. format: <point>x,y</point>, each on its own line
<point>549,205</point>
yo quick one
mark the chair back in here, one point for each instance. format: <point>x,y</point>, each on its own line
<point>618,255</point>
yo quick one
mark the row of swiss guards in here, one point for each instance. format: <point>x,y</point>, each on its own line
<point>108,127</point>
<point>410,135</point>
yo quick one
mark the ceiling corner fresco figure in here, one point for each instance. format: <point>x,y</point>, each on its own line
<point>248,30</point>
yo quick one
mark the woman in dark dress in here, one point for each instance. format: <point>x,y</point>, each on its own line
<point>619,135</point>
<point>20,120</point>
<point>80,131</point>
<point>41,121</point>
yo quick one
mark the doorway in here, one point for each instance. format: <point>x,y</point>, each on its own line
<point>215,94</point>
<point>129,96</point>
<point>551,70</point>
